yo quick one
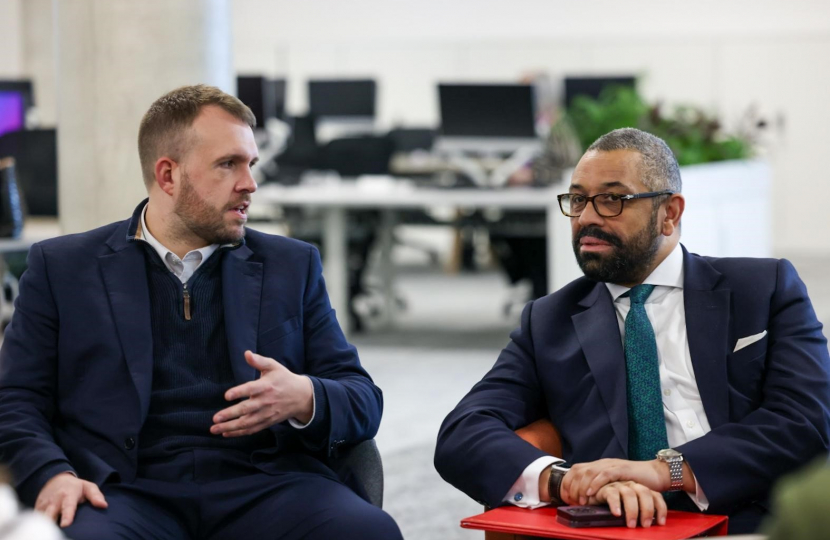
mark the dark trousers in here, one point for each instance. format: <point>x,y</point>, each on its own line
<point>210,494</point>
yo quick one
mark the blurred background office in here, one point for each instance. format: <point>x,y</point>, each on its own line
<point>420,144</point>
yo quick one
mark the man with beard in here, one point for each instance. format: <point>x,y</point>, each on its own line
<point>177,376</point>
<point>663,371</point>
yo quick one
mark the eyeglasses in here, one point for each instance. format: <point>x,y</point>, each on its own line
<point>605,204</point>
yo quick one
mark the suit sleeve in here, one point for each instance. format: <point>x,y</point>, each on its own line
<point>739,461</point>
<point>478,451</point>
<point>348,404</point>
<point>28,374</point>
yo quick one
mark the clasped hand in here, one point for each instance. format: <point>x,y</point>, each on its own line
<point>632,486</point>
<point>275,397</point>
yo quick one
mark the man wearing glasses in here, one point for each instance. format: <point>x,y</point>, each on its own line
<point>663,371</point>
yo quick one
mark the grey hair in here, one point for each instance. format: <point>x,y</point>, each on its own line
<point>658,165</point>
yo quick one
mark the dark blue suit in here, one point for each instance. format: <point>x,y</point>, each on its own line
<point>768,404</point>
<point>76,363</point>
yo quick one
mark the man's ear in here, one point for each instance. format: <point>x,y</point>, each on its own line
<point>674,211</point>
<point>164,174</point>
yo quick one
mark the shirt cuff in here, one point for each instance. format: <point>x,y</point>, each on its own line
<point>525,491</point>
<point>698,497</point>
<point>297,425</point>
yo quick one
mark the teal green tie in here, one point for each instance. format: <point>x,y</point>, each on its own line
<point>646,423</point>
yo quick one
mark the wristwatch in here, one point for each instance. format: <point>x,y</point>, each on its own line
<point>557,473</point>
<point>674,460</point>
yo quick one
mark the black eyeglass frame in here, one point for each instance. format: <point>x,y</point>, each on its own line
<point>623,198</point>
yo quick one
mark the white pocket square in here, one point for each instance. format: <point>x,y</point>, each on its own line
<point>749,340</point>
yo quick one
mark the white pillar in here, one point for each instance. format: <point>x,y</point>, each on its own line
<point>39,65</point>
<point>115,58</point>
<point>11,40</point>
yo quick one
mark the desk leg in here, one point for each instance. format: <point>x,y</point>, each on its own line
<point>335,263</point>
<point>386,270</point>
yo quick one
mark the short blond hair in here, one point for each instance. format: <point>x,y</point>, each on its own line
<point>163,130</point>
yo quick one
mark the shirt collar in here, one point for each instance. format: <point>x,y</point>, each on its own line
<point>668,273</point>
<point>143,233</point>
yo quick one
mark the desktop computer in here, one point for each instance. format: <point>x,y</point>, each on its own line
<point>486,118</point>
<point>342,107</point>
<point>593,86</point>
<point>265,97</point>
<point>16,97</point>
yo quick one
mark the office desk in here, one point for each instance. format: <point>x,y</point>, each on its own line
<point>335,198</point>
<point>728,209</point>
<point>34,230</point>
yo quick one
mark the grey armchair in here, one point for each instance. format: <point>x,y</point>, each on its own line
<point>364,462</point>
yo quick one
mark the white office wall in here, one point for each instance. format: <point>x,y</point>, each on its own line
<point>724,55</point>
<point>11,41</point>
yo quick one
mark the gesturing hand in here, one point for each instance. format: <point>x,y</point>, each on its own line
<point>62,494</point>
<point>273,398</point>
<point>637,501</point>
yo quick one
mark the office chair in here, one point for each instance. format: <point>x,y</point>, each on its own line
<point>364,463</point>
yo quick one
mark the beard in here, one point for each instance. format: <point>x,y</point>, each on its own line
<point>627,263</point>
<point>204,221</point>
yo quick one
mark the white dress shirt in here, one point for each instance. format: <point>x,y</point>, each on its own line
<point>682,407</point>
<point>181,268</point>
<point>185,268</point>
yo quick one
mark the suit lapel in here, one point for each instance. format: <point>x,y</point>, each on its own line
<point>707,327</point>
<point>241,293</point>
<point>599,335</point>
<point>125,278</point>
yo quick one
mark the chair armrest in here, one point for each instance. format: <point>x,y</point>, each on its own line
<point>364,463</point>
<point>543,435</point>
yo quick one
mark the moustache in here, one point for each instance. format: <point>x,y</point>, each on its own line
<point>599,234</point>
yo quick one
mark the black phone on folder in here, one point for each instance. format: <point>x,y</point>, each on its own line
<point>588,516</point>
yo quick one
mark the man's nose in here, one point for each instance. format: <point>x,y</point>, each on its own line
<point>247,183</point>
<point>589,216</point>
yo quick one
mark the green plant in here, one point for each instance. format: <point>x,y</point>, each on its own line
<point>693,135</point>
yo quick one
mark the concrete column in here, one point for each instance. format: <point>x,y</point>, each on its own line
<point>39,62</point>
<point>115,57</point>
<point>10,39</point>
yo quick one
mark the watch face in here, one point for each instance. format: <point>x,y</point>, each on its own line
<point>668,453</point>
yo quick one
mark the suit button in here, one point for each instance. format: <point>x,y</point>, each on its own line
<point>129,443</point>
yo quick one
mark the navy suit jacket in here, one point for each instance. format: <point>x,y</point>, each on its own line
<point>76,363</point>
<point>767,403</point>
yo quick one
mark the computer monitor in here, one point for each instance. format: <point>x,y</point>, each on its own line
<point>12,112</point>
<point>343,98</point>
<point>593,86</point>
<point>21,86</point>
<point>36,167</point>
<point>265,97</point>
<point>486,118</point>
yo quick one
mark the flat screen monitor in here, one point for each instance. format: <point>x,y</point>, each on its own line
<point>265,97</point>
<point>485,116</point>
<point>342,98</point>
<point>12,112</point>
<point>23,87</point>
<point>593,86</point>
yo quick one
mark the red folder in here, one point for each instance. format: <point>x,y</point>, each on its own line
<point>542,523</point>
